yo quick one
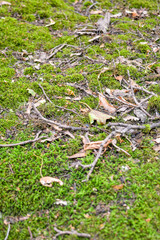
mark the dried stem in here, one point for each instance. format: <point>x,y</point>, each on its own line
<point>50,122</point>
<point>59,233</point>
<point>36,139</point>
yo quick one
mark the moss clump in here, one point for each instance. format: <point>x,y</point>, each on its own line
<point>8,122</point>
<point>155,88</point>
<point>20,36</point>
<point>147,128</point>
<point>154,103</point>
<point>143,48</point>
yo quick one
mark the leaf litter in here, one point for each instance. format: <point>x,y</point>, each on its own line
<point>125,99</point>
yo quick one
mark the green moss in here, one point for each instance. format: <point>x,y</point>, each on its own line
<point>20,36</point>
<point>155,88</point>
<point>147,128</point>
<point>143,48</point>
<point>154,103</point>
<point>132,212</point>
<point>9,121</point>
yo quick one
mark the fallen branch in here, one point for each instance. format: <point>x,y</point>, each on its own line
<point>73,232</point>
<point>50,122</point>
<point>128,127</point>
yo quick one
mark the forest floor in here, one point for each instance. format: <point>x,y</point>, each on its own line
<point>79,119</point>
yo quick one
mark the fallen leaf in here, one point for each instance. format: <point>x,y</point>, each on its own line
<point>119,78</point>
<point>116,15</point>
<point>80,154</point>
<point>47,181</point>
<point>148,219</point>
<point>4,3</point>
<point>118,187</point>
<point>100,117</point>
<point>157,140</point>
<point>96,12</point>
<point>105,104</point>
<point>140,114</point>
<point>87,215</point>
<point>101,226</point>
<point>135,14</point>
<point>70,92</point>
<point>103,23</point>
<point>31,91</point>
<point>61,202</point>
<point>96,145</point>
<point>156,148</point>
<point>130,118</point>
<point>42,101</point>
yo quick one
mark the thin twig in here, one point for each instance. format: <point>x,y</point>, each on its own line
<point>8,230</point>
<point>134,97</point>
<point>50,122</point>
<point>36,139</point>
<point>130,126</point>
<point>56,49</point>
<point>30,233</point>
<point>120,149</point>
<point>59,233</point>
<point>63,108</point>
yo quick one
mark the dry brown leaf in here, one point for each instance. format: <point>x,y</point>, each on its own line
<point>96,145</point>
<point>156,148</point>
<point>119,78</point>
<point>47,181</point>
<point>106,105</point>
<point>70,92</point>
<point>118,187</point>
<point>135,14</point>
<point>80,154</point>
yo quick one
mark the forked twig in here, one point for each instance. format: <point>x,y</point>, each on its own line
<point>36,139</point>
<point>63,108</point>
<point>73,232</point>
<point>50,122</point>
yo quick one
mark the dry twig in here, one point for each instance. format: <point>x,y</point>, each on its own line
<point>63,108</point>
<point>59,233</point>
<point>8,230</point>
<point>50,122</point>
<point>36,139</point>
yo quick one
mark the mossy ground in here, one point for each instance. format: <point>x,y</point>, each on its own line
<point>93,207</point>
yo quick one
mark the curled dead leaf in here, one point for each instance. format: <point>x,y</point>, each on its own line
<point>106,105</point>
<point>47,181</point>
